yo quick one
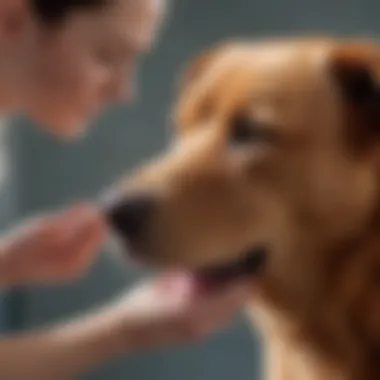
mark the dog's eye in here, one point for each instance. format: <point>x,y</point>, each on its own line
<point>246,131</point>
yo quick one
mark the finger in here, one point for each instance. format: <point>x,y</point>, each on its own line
<point>208,315</point>
<point>77,220</point>
<point>70,242</point>
<point>215,308</point>
<point>49,232</point>
<point>70,227</point>
<point>220,317</point>
<point>80,252</point>
<point>163,333</point>
<point>181,283</point>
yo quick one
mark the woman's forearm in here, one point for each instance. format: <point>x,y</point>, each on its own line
<point>7,275</point>
<point>63,351</point>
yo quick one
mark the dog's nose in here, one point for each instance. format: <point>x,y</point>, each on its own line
<point>129,216</point>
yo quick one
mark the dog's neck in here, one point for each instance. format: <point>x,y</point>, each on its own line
<point>326,304</point>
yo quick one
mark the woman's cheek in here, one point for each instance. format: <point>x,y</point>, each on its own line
<point>96,80</point>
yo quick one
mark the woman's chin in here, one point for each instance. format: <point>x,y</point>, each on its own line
<point>63,124</point>
<point>64,129</point>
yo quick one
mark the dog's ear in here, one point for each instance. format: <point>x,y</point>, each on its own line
<point>355,68</point>
<point>195,68</point>
<point>199,64</point>
<point>189,108</point>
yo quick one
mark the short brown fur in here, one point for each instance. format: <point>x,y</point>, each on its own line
<point>306,185</point>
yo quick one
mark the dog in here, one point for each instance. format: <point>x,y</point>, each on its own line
<point>273,172</point>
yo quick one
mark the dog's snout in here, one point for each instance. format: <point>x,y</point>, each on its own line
<point>130,215</point>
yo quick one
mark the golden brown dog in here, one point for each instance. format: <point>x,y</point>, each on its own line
<point>276,155</point>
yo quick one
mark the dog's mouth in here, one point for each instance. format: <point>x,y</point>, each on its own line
<point>251,263</point>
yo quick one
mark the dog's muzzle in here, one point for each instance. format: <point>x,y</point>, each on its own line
<point>129,217</point>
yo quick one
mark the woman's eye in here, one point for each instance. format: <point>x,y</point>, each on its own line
<point>246,131</point>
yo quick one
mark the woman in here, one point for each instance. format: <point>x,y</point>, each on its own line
<point>61,62</point>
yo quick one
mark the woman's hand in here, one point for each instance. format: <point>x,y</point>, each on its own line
<point>168,311</point>
<point>173,310</point>
<point>159,313</point>
<point>52,248</point>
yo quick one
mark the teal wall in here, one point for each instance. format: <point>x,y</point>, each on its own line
<point>50,174</point>
<point>8,204</point>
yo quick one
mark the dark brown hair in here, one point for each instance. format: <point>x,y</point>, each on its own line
<point>53,12</point>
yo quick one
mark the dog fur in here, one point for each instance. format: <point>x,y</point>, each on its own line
<point>276,143</point>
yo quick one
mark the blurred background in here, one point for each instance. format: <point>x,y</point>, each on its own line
<point>37,173</point>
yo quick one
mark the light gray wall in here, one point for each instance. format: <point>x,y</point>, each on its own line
<point>53,174</point>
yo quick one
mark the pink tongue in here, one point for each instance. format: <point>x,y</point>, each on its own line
<point>181,281</point>
<point>189,283</point>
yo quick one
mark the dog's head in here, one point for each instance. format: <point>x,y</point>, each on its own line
<point>275,155</point>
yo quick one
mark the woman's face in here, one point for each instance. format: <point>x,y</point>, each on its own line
<point>75,70</point>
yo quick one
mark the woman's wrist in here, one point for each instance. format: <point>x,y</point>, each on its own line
<point>64,351</point>
<point>84,343</point>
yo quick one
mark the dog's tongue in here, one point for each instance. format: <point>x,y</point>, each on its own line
<point>215,278</point>
<point>192,282</point>
<point>180,280</point>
